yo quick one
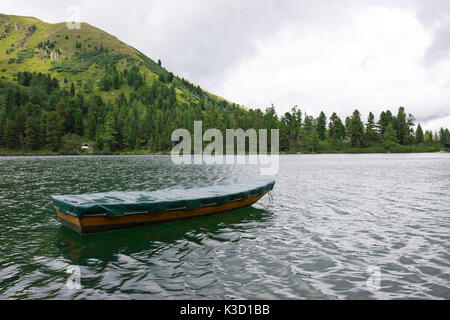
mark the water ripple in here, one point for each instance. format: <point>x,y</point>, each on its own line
<point>333,216</point>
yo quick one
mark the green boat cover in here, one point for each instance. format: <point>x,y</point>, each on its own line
<point>123,203</point>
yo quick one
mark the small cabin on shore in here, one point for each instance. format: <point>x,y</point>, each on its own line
<point>87,147</point>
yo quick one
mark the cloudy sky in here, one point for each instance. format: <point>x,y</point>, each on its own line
<point>320,55</point>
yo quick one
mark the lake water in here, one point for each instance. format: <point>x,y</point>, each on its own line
<point>339,227</point>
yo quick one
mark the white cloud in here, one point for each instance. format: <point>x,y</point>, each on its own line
<point>436,124</point>
<point>371,62</point>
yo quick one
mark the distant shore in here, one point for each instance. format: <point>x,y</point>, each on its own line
<point>25,153</point>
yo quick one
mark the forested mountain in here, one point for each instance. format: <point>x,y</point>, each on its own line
<point>60,88</point>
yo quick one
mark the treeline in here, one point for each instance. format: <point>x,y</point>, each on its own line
<point>38,113</point>
<point>390,133</point>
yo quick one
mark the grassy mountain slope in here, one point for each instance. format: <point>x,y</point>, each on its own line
<point>77,55</point>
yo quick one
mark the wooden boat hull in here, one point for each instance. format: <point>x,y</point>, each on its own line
<point>102,223</point>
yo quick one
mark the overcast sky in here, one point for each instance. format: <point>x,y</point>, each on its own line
<point>319,55</point>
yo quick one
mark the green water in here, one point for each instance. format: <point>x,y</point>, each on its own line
<point>333,216</point>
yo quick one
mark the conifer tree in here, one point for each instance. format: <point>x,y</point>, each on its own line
<point>390,137</point>
<point>371,134</point>
<point>10,135</point>
<point>322,126</point>
<point>401,126</point>
<point>54,130</point>
<point>428,136</point>
<point>356,130</point>
<point>419,134</point>
<point>447,139</point>
<point>31,134</point>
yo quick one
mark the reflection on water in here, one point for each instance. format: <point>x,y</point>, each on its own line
<point>334,217</point>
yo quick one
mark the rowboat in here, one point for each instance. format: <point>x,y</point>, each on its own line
<point>98,212</point>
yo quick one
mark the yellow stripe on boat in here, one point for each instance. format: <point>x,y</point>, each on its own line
<point>95,214</point>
